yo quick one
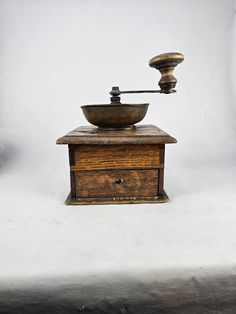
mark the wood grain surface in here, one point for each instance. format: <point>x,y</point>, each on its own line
<point>140,134</point>
<point>97,157</point>
<point>116,167</point>
<point>117,183</point>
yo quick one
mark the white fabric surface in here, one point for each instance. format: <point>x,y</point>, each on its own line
<point>54,254</point>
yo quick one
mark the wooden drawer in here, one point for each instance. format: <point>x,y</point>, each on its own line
<point>99,157</point>
<point>117,183</point>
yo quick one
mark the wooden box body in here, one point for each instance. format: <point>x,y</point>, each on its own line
<point>116,166</point>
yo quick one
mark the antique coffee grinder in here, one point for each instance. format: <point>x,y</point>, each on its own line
<point>116,161</point>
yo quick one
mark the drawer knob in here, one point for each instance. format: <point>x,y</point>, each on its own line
<point>119,181</point>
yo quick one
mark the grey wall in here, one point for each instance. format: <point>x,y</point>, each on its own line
<point>58,55</point>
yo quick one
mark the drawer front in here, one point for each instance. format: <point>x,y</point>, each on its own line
<point>99,157</point>
<point>117,183</point>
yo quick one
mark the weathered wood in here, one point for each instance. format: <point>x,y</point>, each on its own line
<point>97,157</point>
<point>117,183</point>
<point>161,181</point>
<point>140,134</point>
<point>116,200</point>
<point>73,184</point>
<point>162,153</point>
<point>71,154</point>
<point>161,170</point>
<point>117,167</point>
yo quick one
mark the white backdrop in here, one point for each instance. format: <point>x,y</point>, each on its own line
<point>59,54</point>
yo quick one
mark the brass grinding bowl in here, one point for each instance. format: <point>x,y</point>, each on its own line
<point>114,115</point>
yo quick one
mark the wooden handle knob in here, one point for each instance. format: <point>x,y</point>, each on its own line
<point>166,63</point>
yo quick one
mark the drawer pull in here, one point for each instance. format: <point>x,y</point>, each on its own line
<point>119,181</point>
